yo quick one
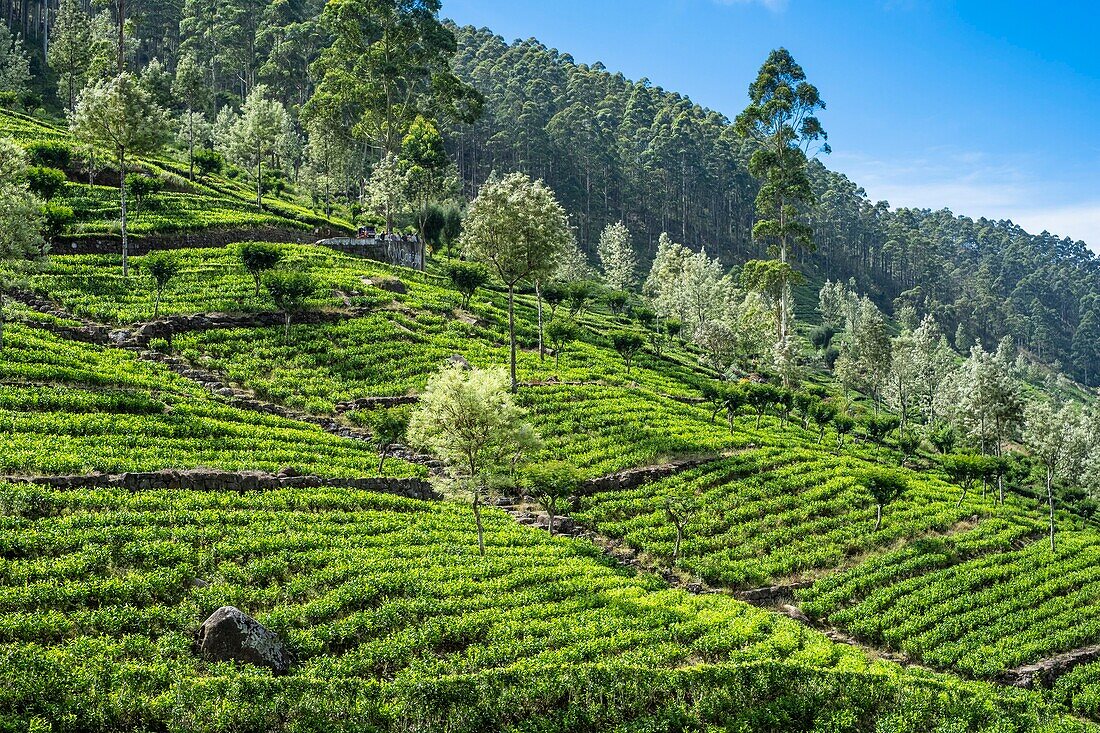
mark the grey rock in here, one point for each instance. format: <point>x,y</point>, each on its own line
<point>232,635</point>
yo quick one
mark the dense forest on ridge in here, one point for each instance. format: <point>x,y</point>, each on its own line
<point>616,149</point>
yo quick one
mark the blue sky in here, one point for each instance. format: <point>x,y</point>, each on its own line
<point>984,107</point>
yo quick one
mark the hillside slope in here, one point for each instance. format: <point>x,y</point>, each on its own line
<point>385,599</point>
<point>211,204</point>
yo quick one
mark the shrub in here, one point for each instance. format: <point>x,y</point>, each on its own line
<point>822,336</point>
<point>209,162</point>
<point>550,483</point>
<point>627,343</point>
<point>290,290</point>
<point>616,301</point>
<point>884,486</point>
<point>142,187</point>
<point>554,294</point>
<point>578,295</point>
<point>162,267</point>
<point>467,277</point>
<point>560,332</point>
<point>50,154</point>
<point>258,258</point>
<point>55,218</point>
<point>908,442</point>
<point>878,426</point>
<point>45,182</point>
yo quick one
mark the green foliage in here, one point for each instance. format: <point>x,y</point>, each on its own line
<point>56,218</point>
<point>550,483</point>
<point>388,428</point>
<point>879,426</point>
<point>45,182</point>
<point>943,437</point>
<point>97,409</point>
<point>467,277</point>
<point>627,343</point>
<point>258,258</point>
<point>162,267</point>
<point>884,486</point>
<point>908,442</point>
<point>49,153</point>
<point>142,187</point>
<point>209,162</point>
<point>290,289</point>
<point>559,333</point>
<point>516,226</point>
<point>616,300</point>
<point>578,294</point>
<point>760,396</point>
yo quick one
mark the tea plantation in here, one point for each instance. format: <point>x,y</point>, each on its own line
<point>393,619</point>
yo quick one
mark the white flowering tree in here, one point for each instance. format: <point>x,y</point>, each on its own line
<point>468,419</point>
<point>518,228</point>
<point>617,257</point>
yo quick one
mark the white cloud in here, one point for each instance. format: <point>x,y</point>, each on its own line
<point>1078,221</point>
<point>972,184</point>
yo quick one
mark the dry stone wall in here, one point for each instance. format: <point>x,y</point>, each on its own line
<point>111,244</point>
<point>201,479</point>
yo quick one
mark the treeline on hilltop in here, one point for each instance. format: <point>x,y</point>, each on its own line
<point>612,149</point>
<point>615,149</point>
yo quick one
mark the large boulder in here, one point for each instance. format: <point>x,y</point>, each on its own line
<point>232,635</point>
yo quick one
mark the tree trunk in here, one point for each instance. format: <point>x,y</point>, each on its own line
<point>191,143</point>
<point>679,540</point>
<point>477,520</point>
<point>286,328</point>
<point>382,459</point>
<point>1050,504</point>
<point>538,296</point>
<point>512,333</point>
<point>156,305</point>
<point>121,36</point>
<point>1,319</point>
<point>259,180</point>
<point>122,203</point>
<point>878,517</point>
<point>550,515</point>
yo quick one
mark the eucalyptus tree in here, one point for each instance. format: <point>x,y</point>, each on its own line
<point>389,62</point>
<point>259,134</point>
<point>517,227</point>
<point>781,120</point>
<point>189,86</point>
<point>70,51</point>
<point>988,404</point>
<point>118,114</point>
<point>935,360</point>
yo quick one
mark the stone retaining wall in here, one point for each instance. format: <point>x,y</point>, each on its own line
<point>1046,672</point>
<point>632,478</point>
<point>210,480</point>
<point>141,244</point>
<point>373,403</point>
<point>169,326</point>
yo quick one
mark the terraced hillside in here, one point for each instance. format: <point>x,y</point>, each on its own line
<point>397,623</point>
<point>394,620</point>
<point>207,204</point>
